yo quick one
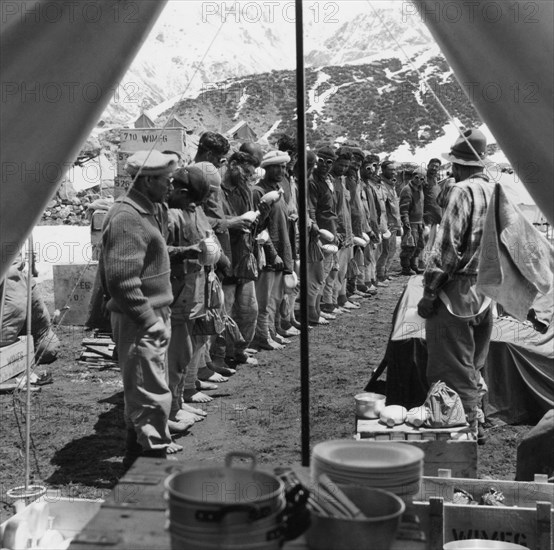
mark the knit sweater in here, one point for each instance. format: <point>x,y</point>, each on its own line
<point>134,264</point>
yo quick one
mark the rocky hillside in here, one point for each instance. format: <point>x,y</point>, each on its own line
<point>380,105</point>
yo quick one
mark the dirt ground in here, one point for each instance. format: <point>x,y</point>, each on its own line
<point>77,422</point>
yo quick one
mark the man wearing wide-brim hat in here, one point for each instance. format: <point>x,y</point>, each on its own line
<point>458,319</point>
<point>135,273</point>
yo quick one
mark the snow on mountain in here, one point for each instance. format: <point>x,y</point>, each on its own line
<point>196,46</point>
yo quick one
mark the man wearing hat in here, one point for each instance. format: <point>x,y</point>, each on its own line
<point>458,319</point>
<point>411,214</point>
<point>134,269</point>
<point>270,286</point>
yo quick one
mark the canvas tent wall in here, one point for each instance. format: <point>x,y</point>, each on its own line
<point>241,132</point>
<point>144,121</point>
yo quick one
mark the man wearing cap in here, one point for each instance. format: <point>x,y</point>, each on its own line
<point>411,214</point>
<point>388,181</point>
<point>188,226</point>
<point>321,210</point>
<point>458,319</point>
<point>270,285</point>
<point>135,273</point>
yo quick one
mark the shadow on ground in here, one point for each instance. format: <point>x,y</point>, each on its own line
<point>94,460</point>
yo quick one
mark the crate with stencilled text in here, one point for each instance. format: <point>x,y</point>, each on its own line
<point>161,139</point>
<point>13,358</point>
<point>454,448</point>
<point>519,512</point>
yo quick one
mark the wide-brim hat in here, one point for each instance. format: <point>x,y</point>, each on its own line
<point>461,152</point>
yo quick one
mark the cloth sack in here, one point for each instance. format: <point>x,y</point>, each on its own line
<point>445,406</point>
<point>212,320</point>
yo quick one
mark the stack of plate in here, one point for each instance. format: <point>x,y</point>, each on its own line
<point>394,467</point>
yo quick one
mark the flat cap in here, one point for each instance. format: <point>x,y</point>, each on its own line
<point>275,157</point>
<point>327,152</point>
<point>151,163</point>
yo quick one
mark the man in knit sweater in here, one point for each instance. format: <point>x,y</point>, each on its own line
<point>134,270</point>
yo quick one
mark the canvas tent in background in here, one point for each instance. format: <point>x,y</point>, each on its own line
<point>144,121</point>
<point>241,132</point>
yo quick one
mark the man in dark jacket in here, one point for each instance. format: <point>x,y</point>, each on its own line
<point>321,210</point>
<point>411,214</point>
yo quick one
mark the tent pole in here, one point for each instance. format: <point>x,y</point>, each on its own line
<point>28,363</point>
<point>302,227</point>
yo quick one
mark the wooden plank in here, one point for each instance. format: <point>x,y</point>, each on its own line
<point>98,341</point>
<point>459,456</point>
<point>102,351</point>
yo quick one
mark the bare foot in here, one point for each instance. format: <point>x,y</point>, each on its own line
<point>186,416</point>
<point>279,339</point>
<point>193,410</point>
<point>194,396</point>
<point>275,345</point>
<point>173,448</point>
<point>207,375</point>
<point>201,385</point>
<point>221,369</point>
<point>178,426</point>
<point>251,351</point>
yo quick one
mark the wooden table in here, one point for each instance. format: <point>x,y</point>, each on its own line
<point>133,516</point>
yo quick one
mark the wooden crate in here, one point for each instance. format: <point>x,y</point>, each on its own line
<point>527,517</point>
<point>13,358</point>
<point>441,451</point>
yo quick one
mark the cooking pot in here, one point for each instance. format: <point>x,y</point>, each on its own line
<point>223,495</point>
<point>369,405</point>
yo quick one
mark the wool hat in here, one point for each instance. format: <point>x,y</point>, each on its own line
<point>461,153</point>
<point>372,158</point>
<point>419,172</point>
<point>204,172</point>
<point>327,153</point>
<point>311,158</point>
<point>151,163</point>
<point>275,157</point>
<point>357,152</point>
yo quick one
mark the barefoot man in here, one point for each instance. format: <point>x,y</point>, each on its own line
<point>134,270</point>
